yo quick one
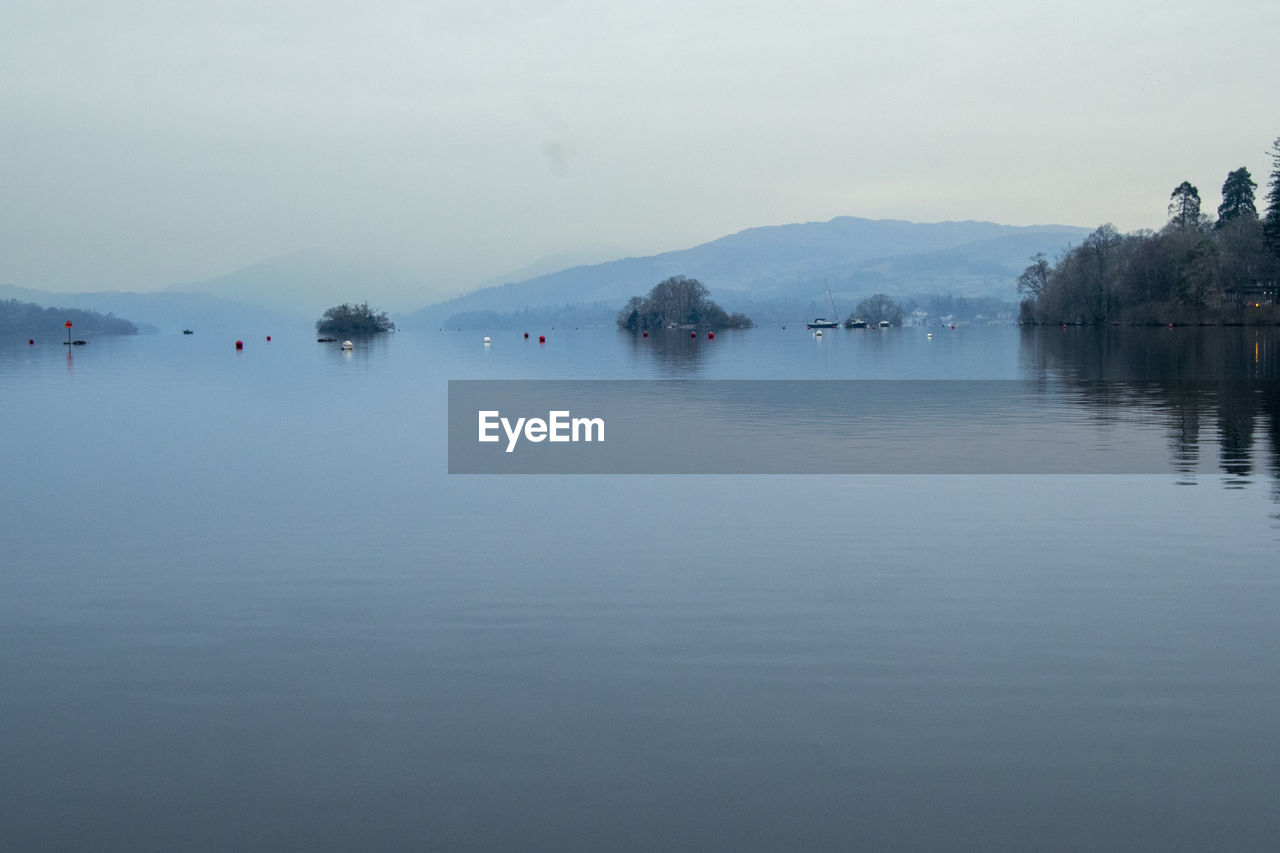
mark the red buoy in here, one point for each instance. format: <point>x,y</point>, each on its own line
<point>268,337</point>
<point>31,341</point>
<point>711,336</point>
<point>693,334</point>
<point>646,334</point>
<point>542,339</point>
<point>239,344</point>
<point>526,336</point>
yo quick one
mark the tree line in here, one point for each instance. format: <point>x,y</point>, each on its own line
<point>27,318</point>
<point>1195,269</point>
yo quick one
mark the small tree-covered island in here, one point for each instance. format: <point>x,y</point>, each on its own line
<point>1194,270</point>
<point>359,319</point>
<point>678,302</point>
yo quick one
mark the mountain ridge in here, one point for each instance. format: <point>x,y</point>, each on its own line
<point>775,270</point>
<point>789,266</point>
<point>160,311</point>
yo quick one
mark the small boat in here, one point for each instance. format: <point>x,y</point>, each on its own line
<point>884,324</point>
<point>855,323</point>
<point>187,332</point>
<point>823,322</point>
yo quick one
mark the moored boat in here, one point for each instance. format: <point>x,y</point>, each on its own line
<point>823,322</point>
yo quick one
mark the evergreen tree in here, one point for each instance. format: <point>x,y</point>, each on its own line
<point>1237,197</point>
<point>1184,206</point>
<point>1271,216</point>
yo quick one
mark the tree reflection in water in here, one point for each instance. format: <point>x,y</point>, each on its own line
<point>675,351</point>
<point>1209,385</point>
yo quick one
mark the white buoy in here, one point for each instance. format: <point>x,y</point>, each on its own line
<point>486,339</point>
<point>348,345</point>
<point>931,335</point>
<point>818,333</point>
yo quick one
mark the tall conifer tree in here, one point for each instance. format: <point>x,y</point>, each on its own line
<point>1271,214</point>
<point>1184,206</point>
<point>1237,197</point>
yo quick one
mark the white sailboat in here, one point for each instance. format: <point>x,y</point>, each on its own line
<point>823,322</point>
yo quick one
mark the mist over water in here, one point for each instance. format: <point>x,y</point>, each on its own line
<point>243,605</point>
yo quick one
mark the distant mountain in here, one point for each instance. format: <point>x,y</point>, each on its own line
<point>788,268</point>
<point>305,284</point>
<point>586,256</point>
<point>165,311</point>
<point>29,318</point>
<point>773,271</point>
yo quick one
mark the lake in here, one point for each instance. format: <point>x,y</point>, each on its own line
<point>244,605</point>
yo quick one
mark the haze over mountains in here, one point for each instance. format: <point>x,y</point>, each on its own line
<point>784,270</point>
<point>775,270</point>
<point>163,311</point>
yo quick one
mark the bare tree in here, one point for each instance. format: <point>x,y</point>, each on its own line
<point>1034,281</point>
<point>346,319</point>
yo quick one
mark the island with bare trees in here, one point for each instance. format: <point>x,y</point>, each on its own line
<point>678,302</point>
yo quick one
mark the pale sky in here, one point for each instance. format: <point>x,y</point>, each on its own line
<point>146,143</point>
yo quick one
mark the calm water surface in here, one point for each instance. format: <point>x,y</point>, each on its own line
<point>242,606</point>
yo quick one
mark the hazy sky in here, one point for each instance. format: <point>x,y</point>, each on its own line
<point>144,143</point>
